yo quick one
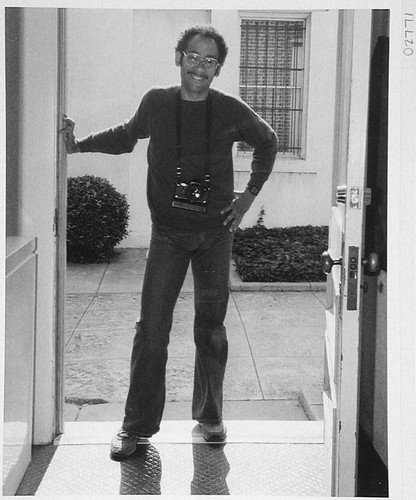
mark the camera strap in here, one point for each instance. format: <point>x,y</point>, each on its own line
<point>208,123</point>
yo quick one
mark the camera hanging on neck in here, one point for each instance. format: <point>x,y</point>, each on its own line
<point>193,195</point>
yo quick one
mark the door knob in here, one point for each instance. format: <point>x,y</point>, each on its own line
<point>372,262</point>
<point>327,262</point>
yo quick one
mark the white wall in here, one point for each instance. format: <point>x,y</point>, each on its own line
<point>99,91</point>
<point>114,56</point>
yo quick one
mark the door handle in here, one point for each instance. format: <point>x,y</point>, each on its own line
<point>372,262</point>
<point>327,262</point>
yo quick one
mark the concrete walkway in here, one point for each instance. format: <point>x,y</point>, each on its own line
<point>276,345</point>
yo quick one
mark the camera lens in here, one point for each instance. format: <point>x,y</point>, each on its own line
<point>195,191</point>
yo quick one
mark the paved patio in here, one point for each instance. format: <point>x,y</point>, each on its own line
<point>275,368</point>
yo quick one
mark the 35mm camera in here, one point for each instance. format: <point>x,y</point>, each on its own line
<point>191,196</point>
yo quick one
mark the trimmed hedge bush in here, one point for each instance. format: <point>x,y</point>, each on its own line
<point>290,254</point>
<point>97,219</point>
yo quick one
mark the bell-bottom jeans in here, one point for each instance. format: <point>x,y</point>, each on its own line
<point>170,253</point>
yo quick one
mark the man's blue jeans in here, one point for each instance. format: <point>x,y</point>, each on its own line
<point>168,260</point>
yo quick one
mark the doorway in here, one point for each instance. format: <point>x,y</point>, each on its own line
<point>59,380</point>
<point>90,310</point>
<point>306,360</point>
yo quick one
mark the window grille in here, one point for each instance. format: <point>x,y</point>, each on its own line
<point>272,77</point>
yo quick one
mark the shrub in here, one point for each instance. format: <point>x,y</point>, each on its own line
<point>97,219</point>
<point>289,254</point>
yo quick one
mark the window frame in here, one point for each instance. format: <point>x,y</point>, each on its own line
<point>285,16</point>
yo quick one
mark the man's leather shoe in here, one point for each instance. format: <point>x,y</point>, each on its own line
<point>123,444</point>
<point>213,432</point>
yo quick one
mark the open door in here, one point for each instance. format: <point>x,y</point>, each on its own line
<point>343,262</point>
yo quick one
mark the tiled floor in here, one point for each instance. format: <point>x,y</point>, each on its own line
<point>275,338</point>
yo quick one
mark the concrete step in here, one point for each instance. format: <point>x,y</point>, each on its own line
<point>285,409</point>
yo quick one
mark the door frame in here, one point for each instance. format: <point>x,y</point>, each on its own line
<point>60,224</point>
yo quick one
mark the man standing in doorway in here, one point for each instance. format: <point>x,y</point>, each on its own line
<point>194,212</point>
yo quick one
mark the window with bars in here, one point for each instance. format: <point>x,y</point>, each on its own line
<point>272,77</point>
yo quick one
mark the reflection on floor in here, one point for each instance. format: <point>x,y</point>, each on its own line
<point>174,464</point>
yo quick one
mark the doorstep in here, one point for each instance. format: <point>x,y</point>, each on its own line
<point>187,431</point>
<point>258,459</point>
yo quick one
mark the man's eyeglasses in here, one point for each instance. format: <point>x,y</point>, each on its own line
<point>193,59</point>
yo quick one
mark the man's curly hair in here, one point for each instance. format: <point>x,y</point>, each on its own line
<point>206,31</point>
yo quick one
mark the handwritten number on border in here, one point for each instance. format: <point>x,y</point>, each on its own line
<point>409,19</point>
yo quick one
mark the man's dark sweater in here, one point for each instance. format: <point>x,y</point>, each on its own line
<point>232,121</point>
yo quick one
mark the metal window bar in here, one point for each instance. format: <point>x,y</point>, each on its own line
<point>271,77</point>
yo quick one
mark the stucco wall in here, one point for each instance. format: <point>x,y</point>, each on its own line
<point>114,56</point>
